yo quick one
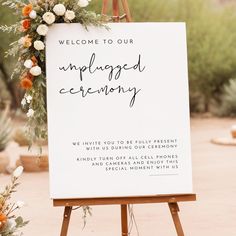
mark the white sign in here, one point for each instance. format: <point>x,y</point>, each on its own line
<point>118,111</point>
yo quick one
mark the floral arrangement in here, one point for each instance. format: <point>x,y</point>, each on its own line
<point>9,222</point>
<point>36,17</point>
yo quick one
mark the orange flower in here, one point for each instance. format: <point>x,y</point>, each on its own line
<point>2,217</point>
<point>27,41</point>
<point>26,24</point>
<point>26,83</point>
<point>3,220</point>
<point>27,9</point>
<point>27,75</point>
<point>34,60</point>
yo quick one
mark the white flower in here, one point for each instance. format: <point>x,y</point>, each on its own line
<point>59,9</point>
<point>28,98</point>
<point>10,223</point>
<point>233,128</point>
<point>18,171</point>
<point>49,17</point>
<point>39,45</point>
<point>69,15</point>
<point>23,102</point>
<point>20,204</point>
<point>33,14</point>
<point>42,30</point>
<point>83,3</point>
<point>21,41</point>
<point>35,71</point>
<point>28,63</point>
<point>30,113</point>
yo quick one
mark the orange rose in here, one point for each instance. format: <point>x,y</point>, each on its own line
<point>27,9</point>
<point>26,24</point>
<point>3,220</point>
<point>27,42</point>
<point>2,217</point>
<point>26,83</point>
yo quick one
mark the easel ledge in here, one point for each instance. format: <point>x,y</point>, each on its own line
<point>125,200</point>
<point>171,200</point>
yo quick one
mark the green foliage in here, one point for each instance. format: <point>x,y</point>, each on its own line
<point>20,136</point>
<point>6,18</point>
<point>5,130</point>
<point>212,54</point>
<point>87,210</point>
<point>228,105</point>
<point>6,64</point>
<point>13,231</point>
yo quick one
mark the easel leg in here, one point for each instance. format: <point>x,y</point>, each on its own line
<point>126,10</point>
<point>124,220</point>
<point>66,220</point>
<point>174,209</point>
<point>116,12</point>
<point>104,7</point>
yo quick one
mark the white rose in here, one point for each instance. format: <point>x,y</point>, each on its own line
<point>28,64</point>
<point>20,204</point>
<point>69,15</point>
<point>59,9</point>
<point>83,3</point>
<point>42,30</point>
<point>35,71</point>
<point>39,45</point>
<point>21,41</point>
<point>33,14</point>
<point>18,171</point>
<point>11,223</point>
<point>49,17</point>
<point>30,113</point>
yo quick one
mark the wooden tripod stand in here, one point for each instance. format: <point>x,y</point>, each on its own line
<point>172,201</point>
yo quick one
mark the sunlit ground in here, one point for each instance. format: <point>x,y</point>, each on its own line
<point>214,213</point>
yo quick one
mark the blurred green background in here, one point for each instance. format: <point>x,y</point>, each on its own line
<point>211,35</point>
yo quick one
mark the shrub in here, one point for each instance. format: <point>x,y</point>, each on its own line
<point>228,105</point>
<point>5,130</point>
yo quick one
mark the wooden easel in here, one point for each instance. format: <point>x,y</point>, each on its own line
<point>171,200</point>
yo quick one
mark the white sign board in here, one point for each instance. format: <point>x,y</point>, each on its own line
<point>118,112</point>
